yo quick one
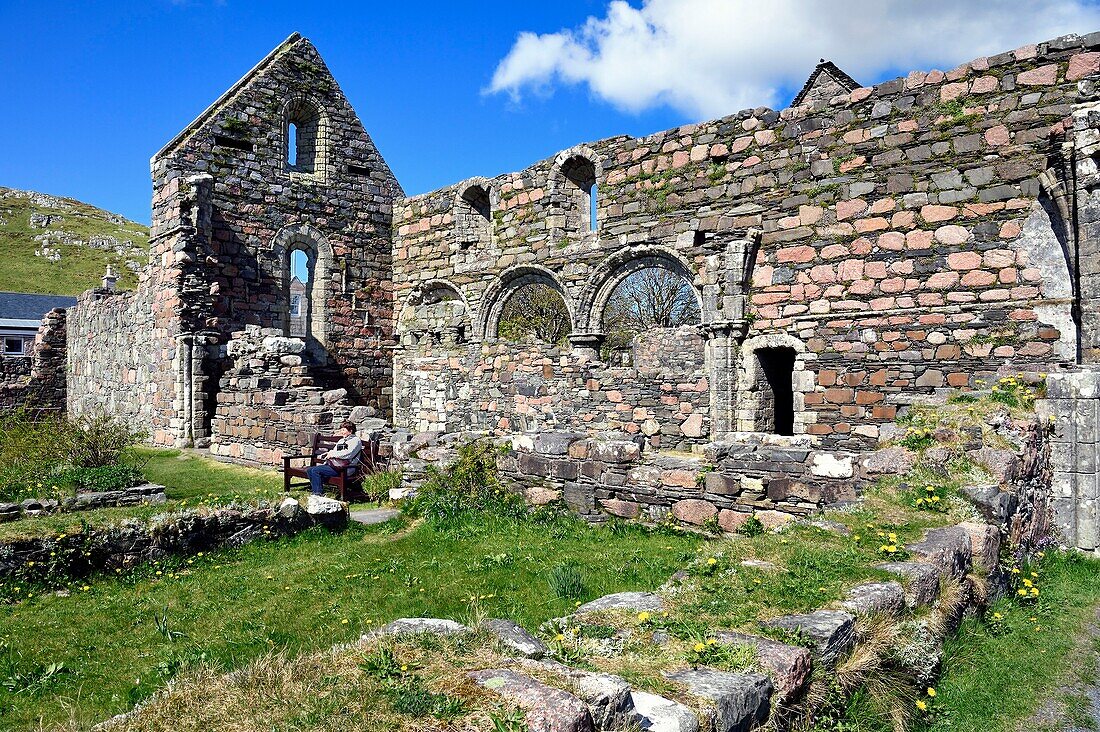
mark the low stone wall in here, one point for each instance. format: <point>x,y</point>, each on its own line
<point>775,477</point>
<point>55,559</point>
<point>269,404</point>
<point>38,381</point>
<point>145,493</point>
<point>505,388</point>
<point>1072,407</point>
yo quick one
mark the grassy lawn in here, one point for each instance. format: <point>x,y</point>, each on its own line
<point>121,639</point>
<point>998,673</point>
<point>190,480</point>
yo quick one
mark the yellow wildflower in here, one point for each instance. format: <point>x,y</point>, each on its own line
<point>922,705</point>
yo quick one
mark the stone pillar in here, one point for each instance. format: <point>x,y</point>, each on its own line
<point>1073,403</point>
<point>587,345</point>
<point>723,345</point>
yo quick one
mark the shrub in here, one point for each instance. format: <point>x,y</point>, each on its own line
<point>752,526</point>
<point>99,441</point>
<point>106,478</point>
<point>566,582</point>
<point>39,450</point>
<point>469,484</point>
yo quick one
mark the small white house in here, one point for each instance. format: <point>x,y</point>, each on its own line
<point>21,315</point>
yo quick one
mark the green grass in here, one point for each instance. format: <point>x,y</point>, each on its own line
<point>190,481</point>
<point>994,681</point>
<point>123,638</point>
<point>80,267</point>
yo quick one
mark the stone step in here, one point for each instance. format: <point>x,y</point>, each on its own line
<point>922,581</point>
<point>947,548</point>
<point>547,709</point>
<point>873,598</point>
<point>742,701</point>
<point>633,601</point>
<point>832,631</point>
<point>657,714</point>
<point>789,666</point>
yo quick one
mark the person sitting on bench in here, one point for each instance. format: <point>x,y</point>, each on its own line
<point>339,458</point>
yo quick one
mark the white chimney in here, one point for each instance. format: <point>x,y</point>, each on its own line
<point>109,280</point>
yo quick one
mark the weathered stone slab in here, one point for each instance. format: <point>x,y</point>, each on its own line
<point>694,511</point>
<point>874,598</point>
<point>830,630</point>
<point>608,698</point>
<point>657,714</point>
<point>789,666</point>
<point>635,601</point>
<point>1002,464</point>
<point>371,516</point>
<point>515,636</point>
<point>413,626</point>
<point>547,709</point>
<point>922,581</point>
<point>985,545</point>
<point>889,461</point>
<point>946,548</point>
<point>741,701</point>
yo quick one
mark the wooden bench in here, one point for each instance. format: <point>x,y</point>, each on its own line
<point>350,477</point>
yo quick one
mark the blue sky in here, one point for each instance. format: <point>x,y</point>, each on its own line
<point>449,90</point>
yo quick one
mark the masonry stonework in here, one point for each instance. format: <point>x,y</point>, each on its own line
<point>867,248</point>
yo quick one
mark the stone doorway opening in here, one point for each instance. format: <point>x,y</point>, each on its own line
<point>776,390</point>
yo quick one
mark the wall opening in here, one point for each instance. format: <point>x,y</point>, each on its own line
<point>579,202</point>
<point>776,388</point>
<point>300,279</point>
<point>593,207</point>
<point>534,311</point>
<point>647,298</point>
<point>474,217</point>
<point>434,315</point>
<point>304,138</point>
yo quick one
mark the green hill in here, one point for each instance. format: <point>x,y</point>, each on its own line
<point>59,246</point>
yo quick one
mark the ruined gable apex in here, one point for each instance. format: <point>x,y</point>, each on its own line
<point>826,81</point>
<point>251,116</point>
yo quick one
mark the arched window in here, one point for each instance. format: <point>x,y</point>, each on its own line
<point>434,315</point>
<point>473,217</point>
<point>300,279</point>
<point>535,311</point>
<point>292,144</point>
<point>578,195</point>
<point>650,295</point>
<point>306,269</point>
<point>306,138</point>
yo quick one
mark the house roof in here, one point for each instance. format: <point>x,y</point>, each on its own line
<point>831,71</point>
<point>25,306</point>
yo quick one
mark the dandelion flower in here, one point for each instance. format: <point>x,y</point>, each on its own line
<point>931,691</point>
<point>712,561</point>
<point>699,647</point>
<point>643,616</point>
<point>922,705</point>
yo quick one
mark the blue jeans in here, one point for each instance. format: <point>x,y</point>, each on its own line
<point>318,474</point>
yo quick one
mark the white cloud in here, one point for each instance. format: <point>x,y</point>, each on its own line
<point>708,58</point>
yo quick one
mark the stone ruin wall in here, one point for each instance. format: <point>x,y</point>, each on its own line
<point>110,361</point>
<point>905,246</point>
<point>37,382</point>
<point>257,209</point>
<point>505,387</point>
<point>269,404</point>
<point>228,210</point>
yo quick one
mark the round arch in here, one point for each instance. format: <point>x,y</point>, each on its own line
<point>510,280</point>
<point>320,265</point>
<point>617,267</point>
<point>420,318</point>
<point>312,133</point>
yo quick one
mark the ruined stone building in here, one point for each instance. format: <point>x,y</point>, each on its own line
<point>863,249</point>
